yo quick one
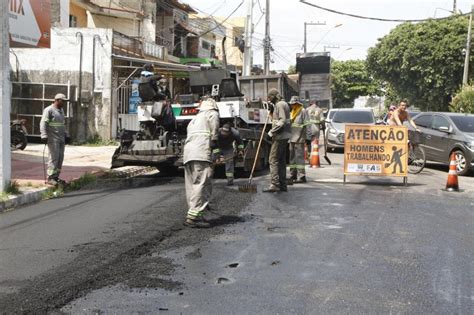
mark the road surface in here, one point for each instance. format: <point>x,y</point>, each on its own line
<point>370,246</point>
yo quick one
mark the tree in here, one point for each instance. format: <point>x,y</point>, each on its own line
<point>292,69</point>
<point>350,79</point>
<point>422,62</point>
<point>463,102</point>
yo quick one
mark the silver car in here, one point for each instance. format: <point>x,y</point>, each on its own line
<point>336,128</point>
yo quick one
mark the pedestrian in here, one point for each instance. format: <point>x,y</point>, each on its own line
<point>54,134</point>
<point>316,123</point>
<point>280,134</point>
<point>163,91</point>
<point>229,137</point>
<point>400,115</point>
<point>201,140</point>
<point>299,120</point>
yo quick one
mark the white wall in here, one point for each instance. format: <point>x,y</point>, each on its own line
<point>61,63</point>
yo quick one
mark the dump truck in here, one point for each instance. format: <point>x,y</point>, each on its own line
<point>155,144</point>
<point>315,78</point>
<point>256,87</point>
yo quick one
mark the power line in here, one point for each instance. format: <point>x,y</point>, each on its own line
<point>378,19</point>
<point>221,23</point>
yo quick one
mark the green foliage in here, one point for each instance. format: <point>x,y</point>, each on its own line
<point>463,102</point>
<point>53,193</point>
<point>84,180</point>
<point>12,188</point>
<point>350,79</point>
<point>422,62</point>
<point>292,69</point>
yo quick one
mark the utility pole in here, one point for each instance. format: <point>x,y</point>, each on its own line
<point>465,77</point>
<point>247,68</point>
<point>455,7</point>
<point>5,159</point>
<point>305,45</point>
<point>267,44</point>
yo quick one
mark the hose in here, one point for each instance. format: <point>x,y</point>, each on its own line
<point>44,163</point>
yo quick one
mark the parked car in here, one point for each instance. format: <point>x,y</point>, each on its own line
<point>445,133</point>
<point>336,128</point>
<point>330,114</point>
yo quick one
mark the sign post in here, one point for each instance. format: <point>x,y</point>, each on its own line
<point>376,151</point>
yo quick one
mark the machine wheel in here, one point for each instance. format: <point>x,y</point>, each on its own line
<point>461,163</point>
<point>18,140</point>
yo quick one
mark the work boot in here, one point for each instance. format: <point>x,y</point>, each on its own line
<point>301,180</point>
<point>61,182</point>
<point>230,182</point>
<point>284,188</point>
<point>271,189</point>
<point>196,222</point>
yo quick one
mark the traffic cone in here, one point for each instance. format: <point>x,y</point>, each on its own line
<point>315,154</point>
<point>452,184</point>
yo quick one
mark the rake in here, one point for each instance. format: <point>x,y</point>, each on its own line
<point>249,187</point>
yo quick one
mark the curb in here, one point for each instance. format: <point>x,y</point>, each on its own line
<point>23,199</point>
<point>32,196</point>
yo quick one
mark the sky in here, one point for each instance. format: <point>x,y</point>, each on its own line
<point>350,40</point>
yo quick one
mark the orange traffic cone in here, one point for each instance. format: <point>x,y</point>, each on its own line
<point>315,154</point>
<point>452,184</point>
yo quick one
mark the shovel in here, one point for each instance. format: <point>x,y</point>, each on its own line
<point>326,147</point>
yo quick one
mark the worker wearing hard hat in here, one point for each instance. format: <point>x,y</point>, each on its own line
<point>201,140</point>
<point>280,134</point>
<point>299,120</point>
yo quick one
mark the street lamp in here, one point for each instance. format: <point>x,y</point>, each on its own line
<point>342,52</point>
<point>326,34</point>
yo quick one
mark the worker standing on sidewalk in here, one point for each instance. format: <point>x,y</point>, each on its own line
<point>280,134</point>
<point>228,138</point>
<point>201,140</point>
<point>299,120</point>
<point>54,134</point>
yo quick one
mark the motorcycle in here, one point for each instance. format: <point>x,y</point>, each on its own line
<point>18,134</point>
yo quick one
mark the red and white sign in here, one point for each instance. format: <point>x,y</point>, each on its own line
<point>30,23</point>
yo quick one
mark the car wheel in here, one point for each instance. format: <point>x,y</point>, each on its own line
<point>461,163</point>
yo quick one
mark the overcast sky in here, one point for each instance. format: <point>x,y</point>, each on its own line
<point>353,38</point>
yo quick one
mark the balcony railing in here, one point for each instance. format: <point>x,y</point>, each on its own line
<point>133,47</point>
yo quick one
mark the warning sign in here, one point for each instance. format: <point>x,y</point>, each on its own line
<point>376,150</point>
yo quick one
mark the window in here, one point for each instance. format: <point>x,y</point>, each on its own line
<point>72,21</point>
<point>464,123</point>
<point>205,45</point>
<point>423,121</point>
<point>439,121</point>
<point>355,117</point>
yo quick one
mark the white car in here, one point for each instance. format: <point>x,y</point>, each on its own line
<point>336,128</point>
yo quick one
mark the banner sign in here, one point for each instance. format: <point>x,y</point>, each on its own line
<point>376,150</point>
<point>30,23</point>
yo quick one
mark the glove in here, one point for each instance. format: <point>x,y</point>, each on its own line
<point>68,140</point>
<point>270,134</point>
<point>44,140</point>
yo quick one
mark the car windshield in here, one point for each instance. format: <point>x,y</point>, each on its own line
<point>354,117</point>
<point>331,114</point>
<point>464,123</point>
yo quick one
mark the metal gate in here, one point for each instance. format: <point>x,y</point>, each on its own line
<point>29,99</point>
<point>122,96</point>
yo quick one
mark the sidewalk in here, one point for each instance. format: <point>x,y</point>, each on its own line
<point>28,169</point>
